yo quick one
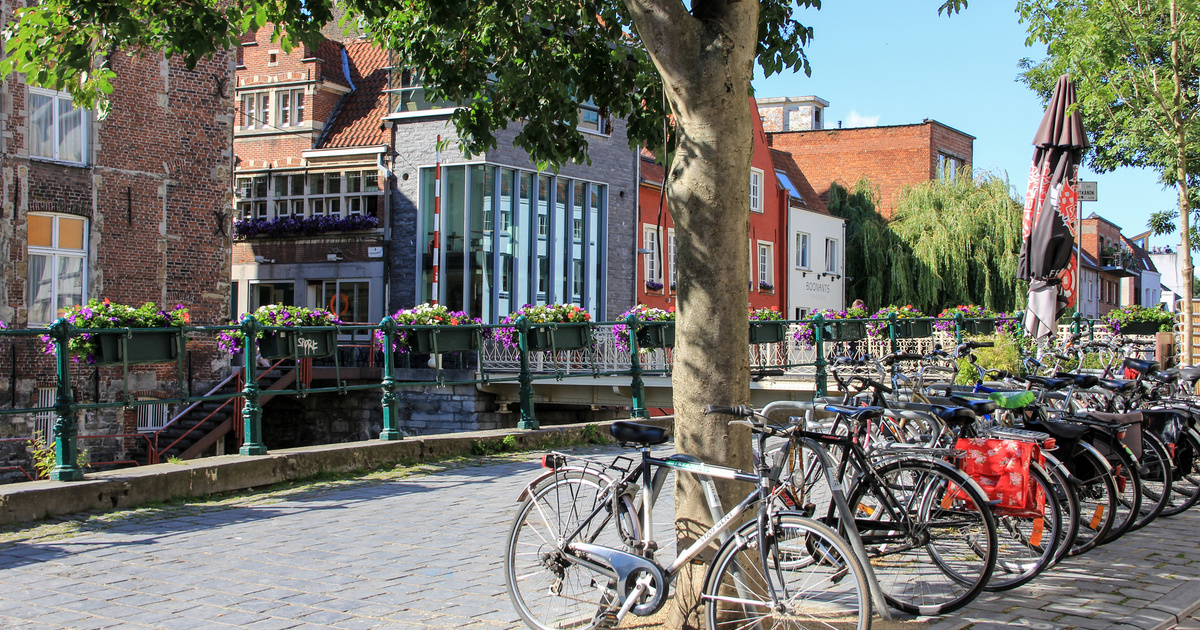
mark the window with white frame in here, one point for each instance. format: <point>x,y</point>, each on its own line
<point>671,257</point>
<point>591,118</point>
<point>756,190</point>
<point>298,195</point>
<point>57,130</point>
<point>803,255</point>
<point>766,267</point>
<point>948,166</point>
<point>256,110</point>
<point>57,264</point>
<point>831,255</point>
<point>291,107</point>
<point>650,244</point>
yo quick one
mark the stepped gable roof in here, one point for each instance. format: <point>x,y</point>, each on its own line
<point>358,120</point>
<point>652,172</point>
<point>249,37</point>
<point>785,164</point>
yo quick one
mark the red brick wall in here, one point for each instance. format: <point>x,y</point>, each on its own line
<point>157,194</point>
<point>890,157</point>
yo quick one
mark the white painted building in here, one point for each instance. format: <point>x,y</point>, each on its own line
<point>816,264</point>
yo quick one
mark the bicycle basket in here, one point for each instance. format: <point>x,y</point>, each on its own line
<point>1001,468</point>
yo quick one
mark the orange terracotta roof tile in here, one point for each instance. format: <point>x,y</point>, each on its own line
<point>359,120</point>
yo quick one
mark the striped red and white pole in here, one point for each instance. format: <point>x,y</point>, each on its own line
<point>437,222</point>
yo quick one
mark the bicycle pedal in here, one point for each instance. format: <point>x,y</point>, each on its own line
<point>606,619</point>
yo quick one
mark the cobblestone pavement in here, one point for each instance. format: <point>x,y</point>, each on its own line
<point>424,551</point>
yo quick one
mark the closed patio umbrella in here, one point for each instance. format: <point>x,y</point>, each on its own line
<point>1048,258</point>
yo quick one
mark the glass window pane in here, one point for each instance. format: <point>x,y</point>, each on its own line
<point>297,185</point>
<point>427,242</point>
<point>524,238</point>
<point>70,233</point>
<point>70,131</point>
<point>260,186</point>
<point>41,289</point>
<point>333,183</point>
<point>454,199</point>
<point>316,183</point>
<point>281,186</point>
<point>561,222</point>
<point>334,206</point>
<point>70,282</point>
<point>353,182</point>
<point>370,181</point>
<point>41,230</point>
<point>41,125</point>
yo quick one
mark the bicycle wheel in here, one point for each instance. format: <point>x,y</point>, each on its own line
<point>928,534</point>
<point>1185,486</point>
<point>1027,539</point>
<point>1157,472</point>
<point>1096,488</point>
<point>817,579</point>
<point>1128,482</point>
<point>549,591</point>
<point>1068,501</point>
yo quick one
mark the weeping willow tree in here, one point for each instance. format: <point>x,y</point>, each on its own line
<point>950,241</point>
<point>957,243</point>
<point>867,240</point>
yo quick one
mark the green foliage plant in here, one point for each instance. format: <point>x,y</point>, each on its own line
<point>105,315</point>
<point>1119,317</point>
<point>277,315</point>
<point>44,457</point>
<point>1005,355</point>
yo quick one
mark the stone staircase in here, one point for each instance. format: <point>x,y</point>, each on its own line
<point>196,428</point>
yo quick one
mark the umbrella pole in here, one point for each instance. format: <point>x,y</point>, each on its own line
<point>1078,257</point>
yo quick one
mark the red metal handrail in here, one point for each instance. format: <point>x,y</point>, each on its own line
<point>238,375</point>
<point>26,472</point>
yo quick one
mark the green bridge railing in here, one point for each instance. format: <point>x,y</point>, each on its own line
<point>531,339</point>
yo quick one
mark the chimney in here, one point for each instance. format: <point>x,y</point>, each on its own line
<point>839,124</point>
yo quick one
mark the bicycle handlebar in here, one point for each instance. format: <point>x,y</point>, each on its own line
<point>901,356</point>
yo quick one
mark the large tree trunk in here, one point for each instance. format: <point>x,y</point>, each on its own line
<point>706,60</point>
<point>1185,250</point>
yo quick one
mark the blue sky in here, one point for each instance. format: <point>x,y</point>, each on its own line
<point>893,63</point>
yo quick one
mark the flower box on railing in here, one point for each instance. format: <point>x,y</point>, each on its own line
<point>559,336</point>
<point>139,347</point>
<point>656,335</point>
<point>285,344</point>
<point>913,329</point>
<point>767,331</point>
<point>444,339</point>
<point>845,330</point>
<point>979,326</point>
<point>1140,328</point>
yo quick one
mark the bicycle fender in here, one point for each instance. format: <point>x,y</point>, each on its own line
<point>532,485</point>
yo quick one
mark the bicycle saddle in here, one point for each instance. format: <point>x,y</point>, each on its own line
<point>978,407</point>
<point>1081,380</point>
<point>1165,376</point>
<point>1067,431</point>
<point>1114,419</point>
<point>634,433</point>
<point>1142,366</point>
<point>1050,383</point>
<point>1117,385</point>
<point>1189,374</point>
<point>953,415</point>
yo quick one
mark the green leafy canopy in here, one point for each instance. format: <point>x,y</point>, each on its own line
<point>534,61</point>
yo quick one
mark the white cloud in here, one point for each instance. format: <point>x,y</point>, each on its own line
<point>858,120</point>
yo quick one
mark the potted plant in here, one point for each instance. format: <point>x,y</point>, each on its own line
<point>298,344</point>
<point>654,287</point>
<point>977,320</point>
<point>843,325</point>
<point>765,287</point>
<point>453,331</point>
<point>552,327</point>
<point>767,325</point>
<point>656,328</point>
<point>908,323</point>
<point>109,333</point>
<point>1139,320</point>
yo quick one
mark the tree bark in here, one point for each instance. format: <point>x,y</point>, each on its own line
<point>1181,162</point>
<point>706,61</point>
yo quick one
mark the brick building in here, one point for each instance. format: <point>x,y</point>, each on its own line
<point>890,157</point>
<point>133,208</point>
<point>336,194</point>
<point>796,250</point>
<point>1126,275</point>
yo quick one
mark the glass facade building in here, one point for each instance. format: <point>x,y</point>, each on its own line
<point>511,237</point>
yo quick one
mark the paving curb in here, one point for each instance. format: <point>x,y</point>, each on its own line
<point>133,487</point>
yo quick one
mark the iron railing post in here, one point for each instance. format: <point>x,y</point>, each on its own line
<point>525,378</point>
<point>892,331</point>
<point>958,328</point>
<point>638,409</point>
<point>818,324</point>
<point>1076,321</point>
<point>391,424</point>
<point>251,412</point>
<point>66,450</point>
